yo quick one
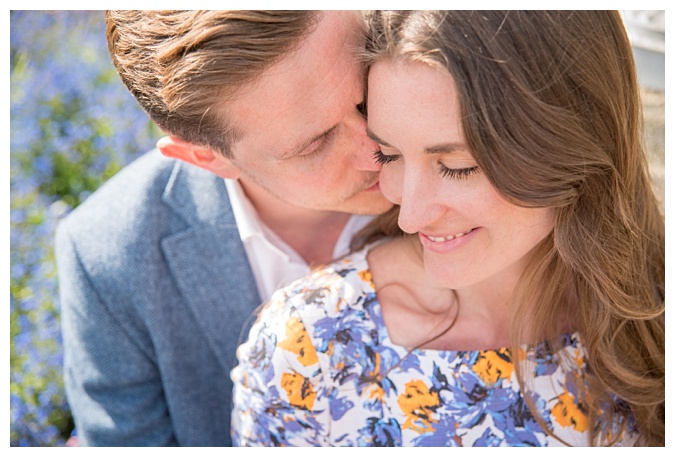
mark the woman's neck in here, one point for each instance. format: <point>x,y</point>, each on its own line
<point>415,307</point>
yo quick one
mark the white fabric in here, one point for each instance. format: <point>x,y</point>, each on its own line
<point>273,262</point>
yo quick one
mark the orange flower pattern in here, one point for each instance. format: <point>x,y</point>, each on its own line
<point>418,404</point>
<point>298,390</point>
<point>569,413</point>
<point>297,341</point>
<point>493,366</point>
<point>319,369</point>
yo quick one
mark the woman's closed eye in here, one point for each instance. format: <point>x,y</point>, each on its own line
<point>384,159</point>
<point>457,173</point>
<point>444,171</point>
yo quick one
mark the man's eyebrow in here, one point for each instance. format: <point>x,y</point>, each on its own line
<point>443,148</point>
<point>297,150</point>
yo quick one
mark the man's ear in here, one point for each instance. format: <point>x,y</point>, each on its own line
<point>203,157</point>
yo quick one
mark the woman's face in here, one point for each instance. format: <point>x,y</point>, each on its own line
<point>468,231</point>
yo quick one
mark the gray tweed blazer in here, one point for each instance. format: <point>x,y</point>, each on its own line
<point>155,292</point>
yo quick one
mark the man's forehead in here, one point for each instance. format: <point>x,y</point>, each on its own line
<point>301,97</point>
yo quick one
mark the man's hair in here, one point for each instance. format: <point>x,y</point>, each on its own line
<point>182,66</point>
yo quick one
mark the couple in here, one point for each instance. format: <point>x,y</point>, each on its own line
<point>509,143</point>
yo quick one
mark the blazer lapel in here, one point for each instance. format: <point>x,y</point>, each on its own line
<point>208,260</point>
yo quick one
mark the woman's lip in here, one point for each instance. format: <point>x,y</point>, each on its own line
<point>441,239</point>
<point>447,243</point>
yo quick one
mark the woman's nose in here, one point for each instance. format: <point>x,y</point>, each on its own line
<point>419,204</point>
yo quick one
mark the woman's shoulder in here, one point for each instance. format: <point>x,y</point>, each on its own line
<point>326,290</point>
<point>301,320</point>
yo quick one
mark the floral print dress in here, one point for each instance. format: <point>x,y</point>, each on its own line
<point>319,369</point>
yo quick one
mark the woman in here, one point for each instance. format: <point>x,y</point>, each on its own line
<point>522,300</point>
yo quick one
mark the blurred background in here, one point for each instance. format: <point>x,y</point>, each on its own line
<point>72,126</point>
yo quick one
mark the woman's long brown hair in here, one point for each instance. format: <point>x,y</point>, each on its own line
<point>551,111</point>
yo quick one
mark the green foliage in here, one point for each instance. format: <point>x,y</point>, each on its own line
<point>73,126</point>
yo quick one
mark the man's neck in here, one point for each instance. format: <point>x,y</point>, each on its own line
<point>313,234</point>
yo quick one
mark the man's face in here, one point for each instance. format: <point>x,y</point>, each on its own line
<point>304,139</point>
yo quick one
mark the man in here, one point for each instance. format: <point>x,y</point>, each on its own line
<point>160,269</point>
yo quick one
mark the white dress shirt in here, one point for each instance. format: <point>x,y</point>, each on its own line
<point>273,262</point>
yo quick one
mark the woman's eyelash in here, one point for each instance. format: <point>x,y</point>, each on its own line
<point>383,159</point>
<point>457,173</point>
<point>453,173</point>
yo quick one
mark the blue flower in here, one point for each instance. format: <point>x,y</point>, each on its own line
<point>339,405</point>
<point>378,432</point>
<point>72,125</point>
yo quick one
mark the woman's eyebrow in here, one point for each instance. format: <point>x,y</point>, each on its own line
<point>444,148</point>
<point>376,138</point>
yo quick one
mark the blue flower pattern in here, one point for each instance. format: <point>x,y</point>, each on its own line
<point>319,369</point>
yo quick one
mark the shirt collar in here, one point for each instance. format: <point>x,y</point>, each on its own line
<point>244,213</point>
